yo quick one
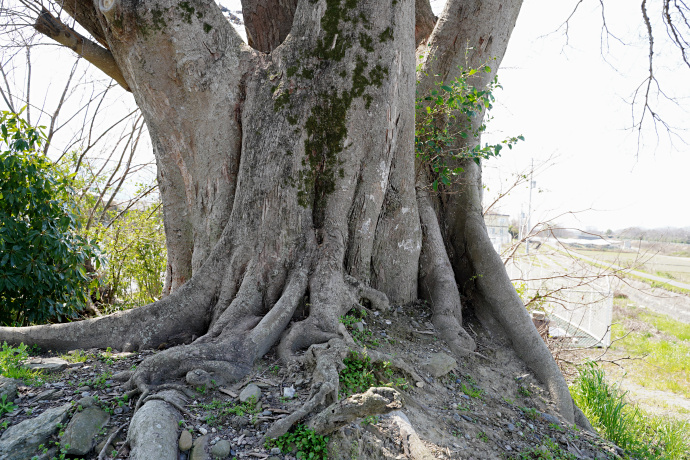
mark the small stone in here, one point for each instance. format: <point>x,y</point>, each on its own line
<point>276,451</point>
<point>464,396</point>
<point>88,401</point>
<point>469,419</point>
<point>420,384</point>
<point>550,418</point>
<point>440,364</point>
<point>510,427</point>
<point>508,447</point>
<point>388,322</point>
<point>185,442</point>
<point>198,378</point>
<point>267,413</point>
<point>289,392</point>
<point>221,449</point>
<point>203,430</point>
<point>249,391</point>
<point>359,326</point>
<point>199,449</point>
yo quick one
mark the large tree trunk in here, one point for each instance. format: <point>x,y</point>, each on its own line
<point>288,180</point>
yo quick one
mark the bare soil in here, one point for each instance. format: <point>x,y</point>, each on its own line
<point>506,412</point>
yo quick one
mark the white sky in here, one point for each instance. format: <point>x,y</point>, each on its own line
<point>568,101</point>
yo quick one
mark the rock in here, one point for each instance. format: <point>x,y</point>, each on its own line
<point>21,441</point>
<point>185,441</point>
<point>203,430</point>
<point>510,427</point>
<point>440,364</point>
<point>359,326</point>
<point>85,402</point>
<point>198,378</point>
<point>83,429</point>
<point>249,391</point>
<point>199,449</point>
<point>550,418</point>
<point>289,392</point>
<point>276,451</point>
<point>239,422</point>
<point>221,449</point>
<point>8,388</point>
<point>46,364</point>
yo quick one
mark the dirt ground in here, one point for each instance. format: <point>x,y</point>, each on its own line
<point>487,407</point>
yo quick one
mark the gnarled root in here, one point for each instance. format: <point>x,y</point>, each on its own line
<point>375,401</point>
<point>414,447</point>
<point>328,361</point>
<point>437,282</point>
<point>153,430</point>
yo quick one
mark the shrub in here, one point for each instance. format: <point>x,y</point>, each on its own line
<point>42,256</point>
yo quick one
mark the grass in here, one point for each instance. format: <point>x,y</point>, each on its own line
<point>11,359</point>
<point>361,373</point>
<point>640,435</point>
<point>666,364</point>
<point>675,268</point>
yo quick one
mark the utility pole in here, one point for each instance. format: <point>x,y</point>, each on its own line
<point>529,208</point>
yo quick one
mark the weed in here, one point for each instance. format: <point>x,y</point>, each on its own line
<point>640,435</point>
<point>360,374</point>
<point>530,412</point>
<point>11,359</point>
<point>363,337</point>
<point>524,391</point>
<point>6,406</point>
<point>76,356</point>
<point>306,443</point>
<point>471,389</point>
<point>221,410</point>
<point>370,420</point>
<point>482,436</point>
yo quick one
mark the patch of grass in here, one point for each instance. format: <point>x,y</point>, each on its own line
<point>221,410</point>
<point>305,442</point>
<point>672,357</point>
<point>364,338</point>
<point>75,356</point>
<point>640,435</point>
<point>11,359</point>
<point>361,373</point>
<point>471,389</point>
<point>549,450</point>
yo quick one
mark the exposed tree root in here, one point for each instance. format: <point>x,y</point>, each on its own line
<point>437,283</point>
<point>152,432</point>
<point>495,298</point>
<point>413,446</point>
<point>375,401</point>
<point>327,360</point>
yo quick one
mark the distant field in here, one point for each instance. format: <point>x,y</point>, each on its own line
<point>671,267</point>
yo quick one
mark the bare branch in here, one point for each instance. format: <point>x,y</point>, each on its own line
<point>50,26</point>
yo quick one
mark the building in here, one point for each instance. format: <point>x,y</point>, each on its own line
<point>497,226</point>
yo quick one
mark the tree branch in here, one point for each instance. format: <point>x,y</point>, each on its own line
<point>268,22</point>
<point>51,27</point>
<point>425,20</point>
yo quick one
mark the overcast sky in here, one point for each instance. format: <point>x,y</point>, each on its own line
<point>568,101</point>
